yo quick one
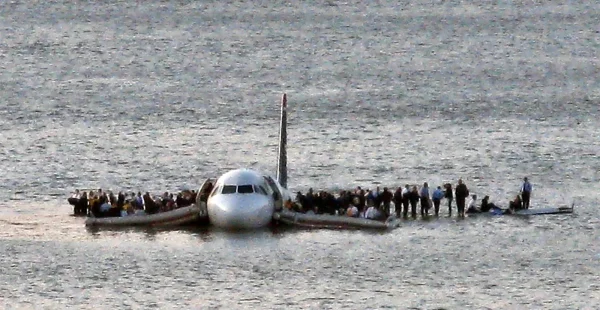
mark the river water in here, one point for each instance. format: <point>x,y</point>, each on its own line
<point>160,95</point>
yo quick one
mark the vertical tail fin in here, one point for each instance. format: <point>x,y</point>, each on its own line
<point>282,157</point>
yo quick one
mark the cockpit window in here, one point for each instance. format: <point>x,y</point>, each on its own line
<point>259,189</point>
<point>228,189</point>
<point>245,189</point>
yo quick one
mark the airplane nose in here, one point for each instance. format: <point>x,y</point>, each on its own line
<point>240,211</point>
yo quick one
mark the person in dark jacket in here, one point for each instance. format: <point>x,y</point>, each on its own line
<point>120,200</point>
<point>424,196</point>
<point>413,197</point>
<point>362,200</point>
<point>151,207</point>
<point>449,196</point>
<point>526,193</point>
<point>82,205</point>
<point>112,199</point>
<point>486,205</point>
<point>386,198</point>
<point>462,192</point>
<point>398,201</point>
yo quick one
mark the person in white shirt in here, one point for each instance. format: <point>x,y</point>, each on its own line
<point>371,213</point>
<point>74,201</point>
<point>472,206</point>
<point>76,194</point>
<point>405,200</point>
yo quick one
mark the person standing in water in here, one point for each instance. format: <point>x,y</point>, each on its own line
<point>526,193</point>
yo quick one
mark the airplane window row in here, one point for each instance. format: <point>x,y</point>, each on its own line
<point>241,189</point>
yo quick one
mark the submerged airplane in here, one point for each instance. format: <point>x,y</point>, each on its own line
<point>246,199</point>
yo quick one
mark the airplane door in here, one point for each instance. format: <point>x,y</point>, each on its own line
<point>277,197</point>
<point>202,196</point>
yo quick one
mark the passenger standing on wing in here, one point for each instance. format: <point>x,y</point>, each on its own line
<point>376,197</point>
<point>74,200</point>
<point>360,193</point>
<point>405,199</point>
<point>386,198</point>
<point>139,201</point>
<point>449,196</point>
<point>424,195</point>
<point>398,201</point>
<point>370,198</point>
<point>120,200</point>
<point>112,199</point>
<point>462,192</point>
<point>150,206</point>
<point>526,193</point>
<point>82,204</point>
<point>413,197</point>
<point>437,198</point>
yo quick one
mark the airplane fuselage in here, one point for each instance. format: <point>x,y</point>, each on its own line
<point>244,199</point>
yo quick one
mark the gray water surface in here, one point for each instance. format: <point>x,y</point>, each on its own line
<point>158,96</point>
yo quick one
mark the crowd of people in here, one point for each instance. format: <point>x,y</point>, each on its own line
<point>374,204</point>
<point>100,203</point>
<point>377,204</point>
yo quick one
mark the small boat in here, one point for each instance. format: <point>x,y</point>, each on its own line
<point>177,217</point>
<point>332,221</point>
